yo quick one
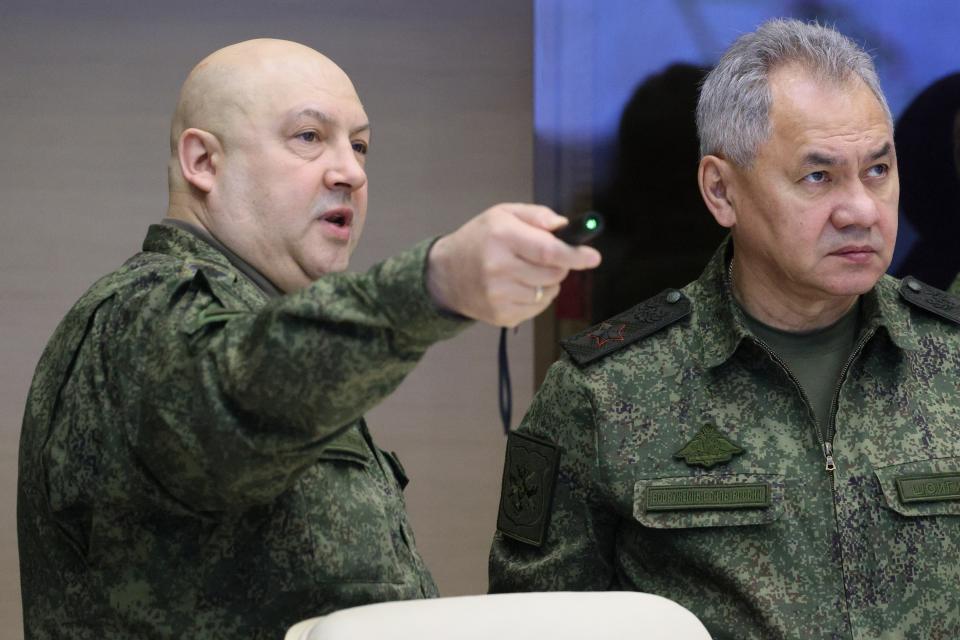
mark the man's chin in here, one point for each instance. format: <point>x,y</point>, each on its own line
<point>321,267</point>
<point>854,285</point>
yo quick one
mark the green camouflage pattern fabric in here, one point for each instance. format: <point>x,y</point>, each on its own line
<point>194,462</point>
<point>955,287</point>
<point>824,555</point>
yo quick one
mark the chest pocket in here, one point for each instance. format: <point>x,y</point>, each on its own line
<point>354,510</point>
<point>922,488</point>
<point>727,500</point>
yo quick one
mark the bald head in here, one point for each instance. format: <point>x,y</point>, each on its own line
<point>268,148</point>
<point>234,86</point>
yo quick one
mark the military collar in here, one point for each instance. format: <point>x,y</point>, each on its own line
<point>889,310</point>
<point>720,325</point>
<point>180,238</point>
<point>718,321</point>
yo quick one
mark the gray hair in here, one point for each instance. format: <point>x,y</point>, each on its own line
<point>733,112</point>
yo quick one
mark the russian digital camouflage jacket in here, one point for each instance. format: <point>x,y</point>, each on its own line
<point>194,462</point>
<point>688,465</point>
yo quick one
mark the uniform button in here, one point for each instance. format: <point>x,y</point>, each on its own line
<point>914,286</point>
<point>673,297</point>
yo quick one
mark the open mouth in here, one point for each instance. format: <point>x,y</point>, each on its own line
<point>338,217</point>
<point>337,224</point>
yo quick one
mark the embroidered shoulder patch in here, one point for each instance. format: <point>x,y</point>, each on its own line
<point>529,475</point>
<point>708,447</point>
<point>624,329</point>
<point>930,299</point>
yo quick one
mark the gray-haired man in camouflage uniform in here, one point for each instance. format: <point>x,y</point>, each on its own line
<point>776,446</point>
<point>194,461</point>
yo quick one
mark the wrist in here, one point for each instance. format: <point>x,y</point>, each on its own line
<point>436,275</point>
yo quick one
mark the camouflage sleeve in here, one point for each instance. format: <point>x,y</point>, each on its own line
<point>955,287</point>
<point>577,549</point>
<point>233,404</point>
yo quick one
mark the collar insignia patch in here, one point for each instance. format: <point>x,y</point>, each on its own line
<point>606,332</point>
<point>708,447</point>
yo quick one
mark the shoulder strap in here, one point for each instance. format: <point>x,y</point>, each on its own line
<point>628,327</point>
<point>937,302</point>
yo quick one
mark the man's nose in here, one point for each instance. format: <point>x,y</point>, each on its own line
<point>859,207</point>
<point>345,172</point>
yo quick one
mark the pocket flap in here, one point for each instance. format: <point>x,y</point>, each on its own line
<point>348,446</point>
<point>922,487</point>
<point>727,500</point>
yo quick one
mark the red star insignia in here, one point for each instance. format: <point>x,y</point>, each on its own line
<point>607,333</point>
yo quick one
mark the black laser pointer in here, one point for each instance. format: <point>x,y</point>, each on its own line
<point>582,229</point>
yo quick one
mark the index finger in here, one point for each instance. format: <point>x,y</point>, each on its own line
<point>538,215</point>
<point>540,247</point>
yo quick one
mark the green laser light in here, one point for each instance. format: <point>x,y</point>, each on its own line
<point>581,229</point>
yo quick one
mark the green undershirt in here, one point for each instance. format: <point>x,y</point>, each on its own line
<point>815,358</point>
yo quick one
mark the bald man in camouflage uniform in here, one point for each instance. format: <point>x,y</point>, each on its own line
<point>194,461</point>
<point>776,446</point>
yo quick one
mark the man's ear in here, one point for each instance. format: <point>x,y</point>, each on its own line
<point>715,177</point>
<point>199,152</point>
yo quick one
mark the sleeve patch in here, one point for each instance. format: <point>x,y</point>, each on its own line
<point>529,477</point>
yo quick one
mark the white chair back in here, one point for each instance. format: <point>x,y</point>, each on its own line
<point>614,615</point>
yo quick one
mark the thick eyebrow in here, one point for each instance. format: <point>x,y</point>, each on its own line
<point>322,117</point>
<point>879,153</point>
<point>817,159</point>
